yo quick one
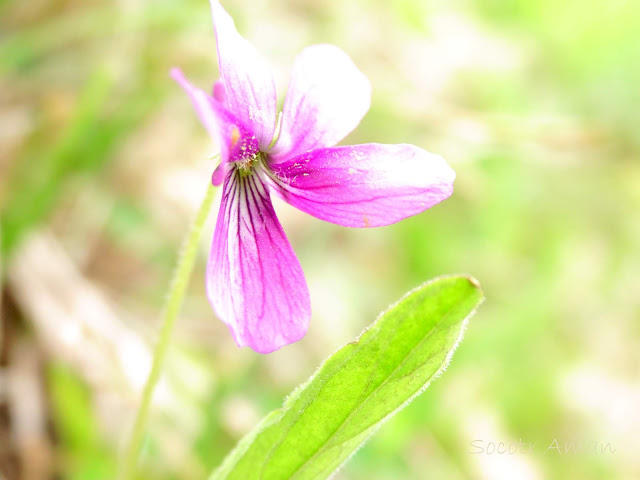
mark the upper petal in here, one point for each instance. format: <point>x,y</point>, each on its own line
<point>363,185</point>
<point>250,91</point>
<point>327,98</point>
<point>237,141</point>
<point>254,280</point>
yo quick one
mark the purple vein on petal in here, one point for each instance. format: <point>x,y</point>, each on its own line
<point>366,185</point>
<point>255,282</point>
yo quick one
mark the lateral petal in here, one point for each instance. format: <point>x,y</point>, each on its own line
<point>254,281</point>
<point>367,185</point>
<point>237,142</point>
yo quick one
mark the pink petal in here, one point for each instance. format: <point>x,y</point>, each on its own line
<point>237,142</point>
<point>363,185</point>
<point>219,92</point>
<point>327,98</point>
<point>220,173</point>
<point>254,280</point>
<point>205,108</point>
<point>249,86</point>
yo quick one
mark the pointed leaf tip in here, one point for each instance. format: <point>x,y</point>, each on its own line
<point>325,420</point>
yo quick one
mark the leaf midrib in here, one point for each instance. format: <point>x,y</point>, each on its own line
<point>400,365</point>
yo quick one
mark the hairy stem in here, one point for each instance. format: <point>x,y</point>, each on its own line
<point>174,302</point>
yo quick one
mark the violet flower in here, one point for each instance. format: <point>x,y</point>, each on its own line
<point>254,281</point>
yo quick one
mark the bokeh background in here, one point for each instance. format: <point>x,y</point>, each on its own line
<point>103,163</point>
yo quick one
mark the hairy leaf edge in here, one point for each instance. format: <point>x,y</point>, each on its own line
<point>243,445</point>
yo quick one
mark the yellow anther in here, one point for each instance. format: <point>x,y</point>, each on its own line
<point>235,136</point>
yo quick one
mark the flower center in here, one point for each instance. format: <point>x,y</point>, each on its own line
<point>243,149</point>
<point>245,166</point>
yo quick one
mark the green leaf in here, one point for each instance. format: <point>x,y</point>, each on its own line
<point>326,419</point>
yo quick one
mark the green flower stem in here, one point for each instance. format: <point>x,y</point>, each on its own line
<point>174,302</point>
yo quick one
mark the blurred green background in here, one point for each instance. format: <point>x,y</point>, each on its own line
<point>102,164</point>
